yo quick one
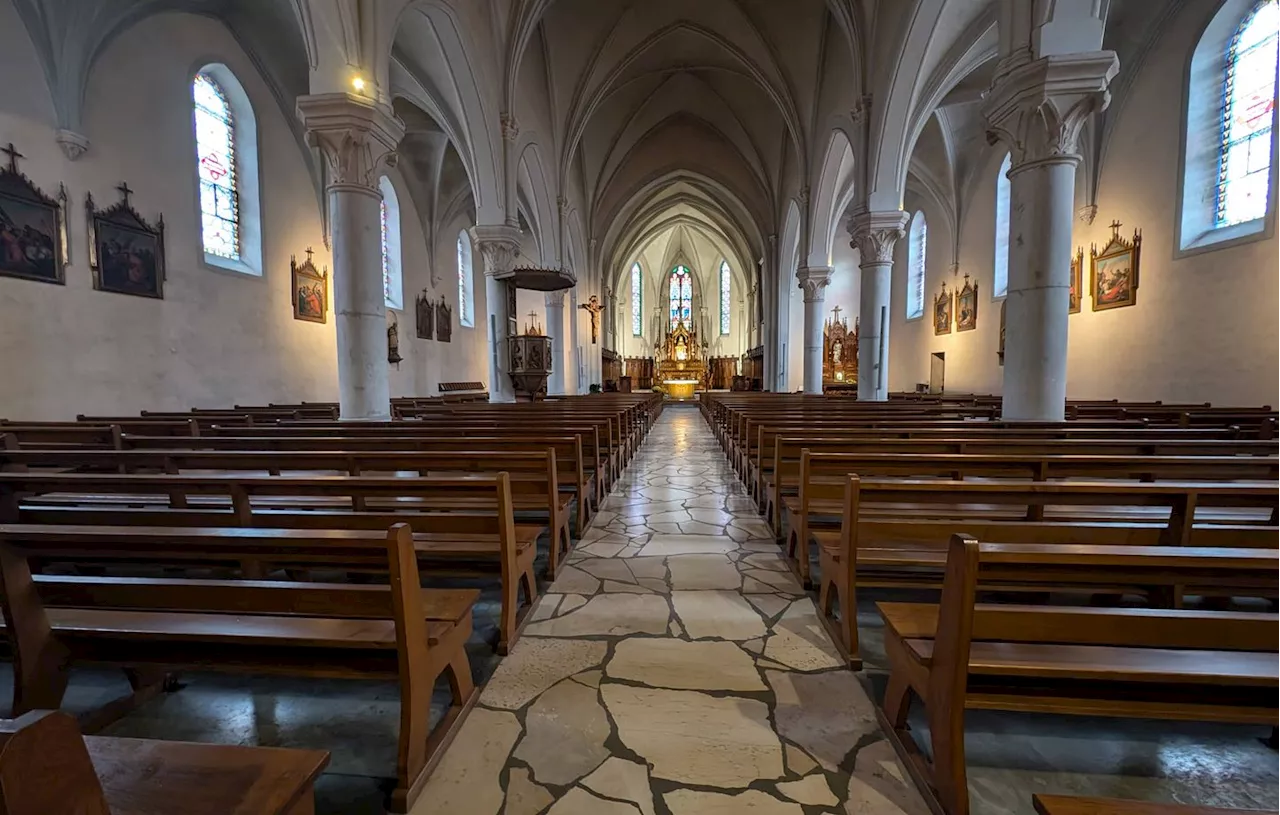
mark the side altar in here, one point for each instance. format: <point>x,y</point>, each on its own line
<point>682,366</point>
<point>839,353</point>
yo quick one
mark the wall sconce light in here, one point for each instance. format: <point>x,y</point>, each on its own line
<point>357,82</point>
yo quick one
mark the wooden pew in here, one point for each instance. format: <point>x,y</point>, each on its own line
<point>534,474</point>
<point>397,631</point>
<point>1147,663</point>
<point>481,539</point>
<point>1076,805</point>
<point>47,767</point>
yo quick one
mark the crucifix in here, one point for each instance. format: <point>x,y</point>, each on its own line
<point>13,155</point>
<point>835,314</point>
<point>594,308</point>
<point>308,254</point>
<point>125,191</point>
<point>1115,226</point>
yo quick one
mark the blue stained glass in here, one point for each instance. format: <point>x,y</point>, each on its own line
<point>637,298</point>
<point>386,254</point>
<point>726,299</point>
<point>681,298</point>
<point>1248,105</point>
<point>216,162</point>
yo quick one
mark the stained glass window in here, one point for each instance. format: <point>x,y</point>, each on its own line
<point>466,303</point>
<point>681,297</point>
<point>386,253</point>
<point>637,300</point>
<point>726,300</point>
<point>216,156</point>
<point>917,247</point>
<point>1248,104</point>
<point>1001,277</point>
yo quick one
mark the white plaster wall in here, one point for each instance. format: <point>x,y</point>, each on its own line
<point>846,280</point>
<point>1204,327</point>
<point>217,338</point>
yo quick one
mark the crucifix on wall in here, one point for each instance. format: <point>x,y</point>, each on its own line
<point>593,308</point>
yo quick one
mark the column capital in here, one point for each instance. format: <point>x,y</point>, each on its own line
<point>499,245</point>
<point>814,280</point>
<point>1038,108</point>
<point>876,233</point>
<point>554,299</point>
<point>356,135</point>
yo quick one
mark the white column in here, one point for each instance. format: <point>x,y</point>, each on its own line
<point>874,236</point>
<point>555,329</point>
<point>357,138</point>
<point>1038,108</point>
<point>813,281</point>
<point>499,246</point>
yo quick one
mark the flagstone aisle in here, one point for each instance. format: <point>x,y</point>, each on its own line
<point>675,667</point>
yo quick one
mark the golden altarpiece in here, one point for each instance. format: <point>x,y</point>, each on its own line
<point>681,364</point>
<point>839,351</point>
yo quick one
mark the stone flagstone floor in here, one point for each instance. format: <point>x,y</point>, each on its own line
<point>675,667</point>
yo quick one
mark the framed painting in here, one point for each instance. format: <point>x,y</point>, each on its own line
<point>444,320</point>
<point>33,227</point>
<point>1077,266</point>
<point>942,306</point>
<point>125,252</point>
<point>425,310</point>
<point>967,306</point>
<point>310,288</point>
<point>1113,276</point>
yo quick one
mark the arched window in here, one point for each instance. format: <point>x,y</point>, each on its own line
<point>637,300</point>
<point>917,246</point>
<point>392,281</point>
<point>726,296</point>
<point>466,299</point>
<point>681,297</point>
<point>227,171</point>
<point>1000,283</point>
<point>1228,174</point>
<point>1249,94</point>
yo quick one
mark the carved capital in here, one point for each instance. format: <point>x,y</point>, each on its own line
<point>1087,213</point>
<point>876,233</point>
<point>499,246</point>
<point>510,127</point>
<point>356,135</point>
<point>814,281</point>
<point>73,144</point>
<point>554,299</point>
<point>1038,108</point>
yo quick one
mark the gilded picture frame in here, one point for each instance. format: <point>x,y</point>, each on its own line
<point>126,253</point>
<point>309,290</point>
<point>967,306</point>
<point>1114,271</point>
<point>33,227</point>
<point>1077,287</point>
<point>943,305</point>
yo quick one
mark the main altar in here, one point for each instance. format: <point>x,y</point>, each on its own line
<point>681,364</point>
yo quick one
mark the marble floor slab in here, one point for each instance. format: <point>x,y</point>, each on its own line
<point>689,673</point>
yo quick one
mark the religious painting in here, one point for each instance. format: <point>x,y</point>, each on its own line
<point>1077,264</point>
<point>424,310</point>
<point>125,252</point>
<point>1113,278</point>
<point>444,321</point>
<point>942,306</point>
<point>310,290</point>
<point>967,306</point>
<point>33,227</point>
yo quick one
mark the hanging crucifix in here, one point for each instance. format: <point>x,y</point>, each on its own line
<point>594,308</point>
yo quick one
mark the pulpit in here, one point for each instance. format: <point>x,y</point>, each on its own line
<point>530,360</point>
<point>681,365</point>
<point>839,351</point>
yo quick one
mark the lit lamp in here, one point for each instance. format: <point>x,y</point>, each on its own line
<point>357,82</point>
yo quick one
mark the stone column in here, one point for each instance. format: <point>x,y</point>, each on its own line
<point>1038,109</point>
<point>875,234</point>
<point>499,246</point>
<point>555,329</point>
<point>813,280</point>
<point>357,138</point>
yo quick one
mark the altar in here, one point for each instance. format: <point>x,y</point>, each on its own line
<point>681,364</point>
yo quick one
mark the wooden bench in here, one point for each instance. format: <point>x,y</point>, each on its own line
<point>153,625</point>
<point>481,539</point>
<point>1076,805</point>
<point>534,473</point>
<point>1147,663</point>
<point>47,767</point>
